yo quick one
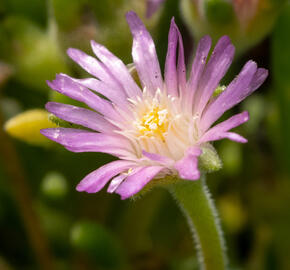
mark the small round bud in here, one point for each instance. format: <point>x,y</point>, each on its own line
<point>209,160</point>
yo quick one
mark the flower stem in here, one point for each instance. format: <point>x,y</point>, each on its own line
<point>194,200</point>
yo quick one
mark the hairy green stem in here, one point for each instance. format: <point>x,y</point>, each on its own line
<point>194,200</point>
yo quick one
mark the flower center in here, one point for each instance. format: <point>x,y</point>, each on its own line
<point>154,122</point>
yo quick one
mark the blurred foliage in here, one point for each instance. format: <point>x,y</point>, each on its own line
<point>99,231</point>
<point>247,22</point>
<point>281,67</point>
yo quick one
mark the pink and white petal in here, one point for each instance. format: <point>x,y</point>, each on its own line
<point>144,55</point>
<point>135,182</point>
<point>68,87</point>
<point>166,161</point>
<point>197,70</point>
<point>80,116</point>
<point>215,70</point>
<point>218,131</point>
<point>170,72</point>
<point>97,179</point>
<point>244,84</point>
<point>259,77</point>
<point>94,67</point>
<point>116,96</point>
<point>181,69</point>
<point>118,69</point>
<point>175,78</point>
<point>115,182</point>
<point>235,137</point>
<point>77,140</point>
<point>225,135</point>
<point>225,126</point>
<point>187,167</point>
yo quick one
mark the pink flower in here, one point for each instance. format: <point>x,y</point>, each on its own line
<point>157,130</point>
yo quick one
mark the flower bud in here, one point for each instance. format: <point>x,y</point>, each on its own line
<point>26,126</point>
<point>209,160</point>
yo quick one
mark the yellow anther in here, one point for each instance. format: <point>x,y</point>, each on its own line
<point>154,122</point>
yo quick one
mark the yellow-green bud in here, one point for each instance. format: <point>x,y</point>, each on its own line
<point>209,160</point>
<point>26,126</point>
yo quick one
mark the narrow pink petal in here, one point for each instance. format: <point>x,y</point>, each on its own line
<point>259,77</point>
<point>218,132</point>
<point>116,96</point>
<point>181,69</point>
<point>118,69</point>
<point>135,182</point>
<point>97,179</point>
<point>170,73</point>
<point>235,137</point>
<point>187,167</point>
<point>80,116</point>
<point>144,55</point>
<point>77,140</point>
<point>175,78</point>
<point>95,68</point>
<point>158,158</point>
<point>216,68</point>
<point>228,135</point>
<point>249,79</point>
<point>66,86</point>
<point>115,182</point>
<point>197,69</point>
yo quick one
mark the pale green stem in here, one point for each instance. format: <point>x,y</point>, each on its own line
<point>194,200</point>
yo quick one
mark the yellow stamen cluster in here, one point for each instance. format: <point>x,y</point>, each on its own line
<point>154,122</point>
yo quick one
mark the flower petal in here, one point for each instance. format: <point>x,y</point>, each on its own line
<point>158,158</point>
<point>187,167</point>
<point>77,140</point>
<point>95,68</point>
<point>144,55</point>
<point>197,70</point>
<point>115,182</point>
<point>135,182</point>
<point>66,86</point>
<point>216,68</point>
<point>80,116</point>
<point>229,135</point>
<point>117,97</point>
<point>118,69</point>
<point>175,78</point>
<point>220,131</point>
<point>249,79</point>
<point>97,179</point>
